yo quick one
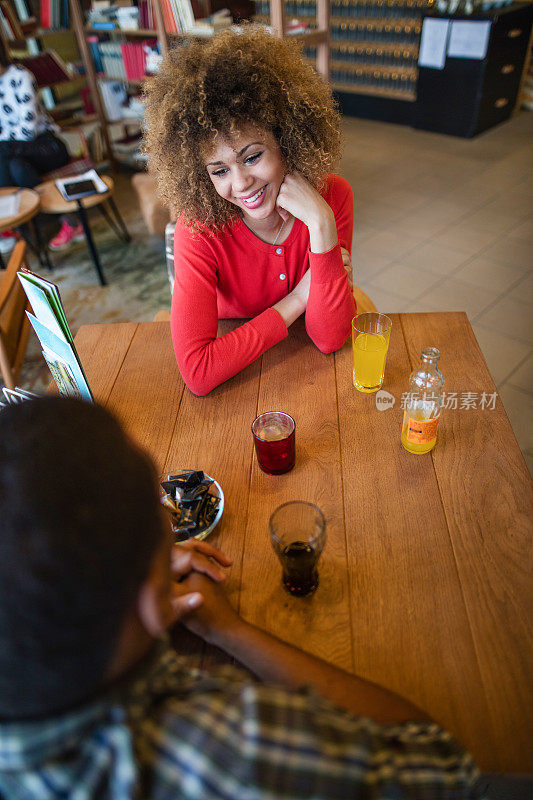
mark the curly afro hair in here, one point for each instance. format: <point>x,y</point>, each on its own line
<point>237,79</point>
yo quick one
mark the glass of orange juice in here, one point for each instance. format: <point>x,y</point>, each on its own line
<point>370,342</point>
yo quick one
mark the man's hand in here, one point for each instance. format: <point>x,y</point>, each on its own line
<point>275,661</point>
<point>347,261</point>
<point>214,617</point>
<point>194,557</point>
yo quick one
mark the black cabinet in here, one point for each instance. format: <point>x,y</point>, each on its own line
<point>468,95</point>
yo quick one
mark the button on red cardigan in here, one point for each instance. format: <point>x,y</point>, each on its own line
<point>236,275</point>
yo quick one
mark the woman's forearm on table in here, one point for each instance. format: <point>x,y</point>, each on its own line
<point>205,360</point>
<point>331,305</point>
<point>276,661</point>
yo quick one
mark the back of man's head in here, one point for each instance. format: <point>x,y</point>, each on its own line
<point>79,526</point>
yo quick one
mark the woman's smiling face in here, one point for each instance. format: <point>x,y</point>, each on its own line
<point>247,169</point>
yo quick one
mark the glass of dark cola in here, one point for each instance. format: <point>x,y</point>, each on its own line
<point>298,536</point>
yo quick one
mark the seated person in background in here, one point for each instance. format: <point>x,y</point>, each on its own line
<point>242,134</point>
<point>93,701</point>
<point>28,145</point>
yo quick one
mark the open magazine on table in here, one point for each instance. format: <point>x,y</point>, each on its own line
<point>50,324</point>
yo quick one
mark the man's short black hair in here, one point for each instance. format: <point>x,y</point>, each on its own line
<point>79,526</point>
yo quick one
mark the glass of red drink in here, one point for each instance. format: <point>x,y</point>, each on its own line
<point>298,536</point>
<point>274,441</point>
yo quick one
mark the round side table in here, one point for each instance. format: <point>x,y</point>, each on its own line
<point>53,202</point>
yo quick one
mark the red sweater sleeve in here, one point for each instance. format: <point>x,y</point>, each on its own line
<point>204,360</point>
<point>331,305</point>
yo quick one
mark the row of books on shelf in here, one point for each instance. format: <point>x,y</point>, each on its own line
<point>114,98</point>
<point>299,8</point>
<point>54,14</point>
<point>111,17</point>
<point>122,60</point>
<point>360,54</point>
<point>398,82</point>
<point>350,8</point>
<point>118,106</point>
<point>399,34</point>
<point>10,22</point>
<point>177,14</point>
<point>381,8</point>
<point>178,17</point>
<point>22,10</point>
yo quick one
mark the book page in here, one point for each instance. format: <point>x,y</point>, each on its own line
<point>9,204</point>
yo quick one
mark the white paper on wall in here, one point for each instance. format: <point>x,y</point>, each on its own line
<point>433,43</point>
<point>469,39</point>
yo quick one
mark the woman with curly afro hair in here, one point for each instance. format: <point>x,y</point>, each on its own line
<point>242,135</point>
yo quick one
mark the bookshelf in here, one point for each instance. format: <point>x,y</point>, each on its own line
<point>158,27</point>
<point>373,51</point>
<point>42,50</point>
<point>107,41</point>
<point>101,45</point>
<point>316,39</point>
<point>46,51</point>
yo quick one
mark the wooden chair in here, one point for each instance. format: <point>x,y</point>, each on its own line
<point>14,324</point>
<point>364,303</point>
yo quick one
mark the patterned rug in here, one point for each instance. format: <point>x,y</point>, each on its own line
<point>136,274</point>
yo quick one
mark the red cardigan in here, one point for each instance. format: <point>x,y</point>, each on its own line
<point>236,275</point>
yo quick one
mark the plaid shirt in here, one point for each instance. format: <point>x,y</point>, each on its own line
<point>172,731</point>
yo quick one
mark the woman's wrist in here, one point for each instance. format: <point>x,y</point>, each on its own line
<point>290,308</point>
<point>323,234</point>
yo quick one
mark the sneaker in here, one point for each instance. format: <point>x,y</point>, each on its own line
<point>66,236</point>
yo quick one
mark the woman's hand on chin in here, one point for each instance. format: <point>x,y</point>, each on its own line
<point>298,197</point>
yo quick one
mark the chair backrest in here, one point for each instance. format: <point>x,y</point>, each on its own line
<point>14,324</point>
<point>79,162</point>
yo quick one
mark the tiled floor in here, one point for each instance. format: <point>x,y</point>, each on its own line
<point>445,224</point>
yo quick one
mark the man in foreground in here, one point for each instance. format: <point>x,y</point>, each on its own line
<point>93,701</point>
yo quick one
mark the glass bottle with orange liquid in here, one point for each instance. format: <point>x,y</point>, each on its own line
<point>423,404</point>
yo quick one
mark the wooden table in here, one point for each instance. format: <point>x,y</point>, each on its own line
<point>29,203</point>
<point>29,206</point>
<point>425,581</point>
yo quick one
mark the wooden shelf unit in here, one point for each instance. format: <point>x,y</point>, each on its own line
<point>371,43</point>
<point>318,37</point>
<point>82,30</point>
<point>52,39</point>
